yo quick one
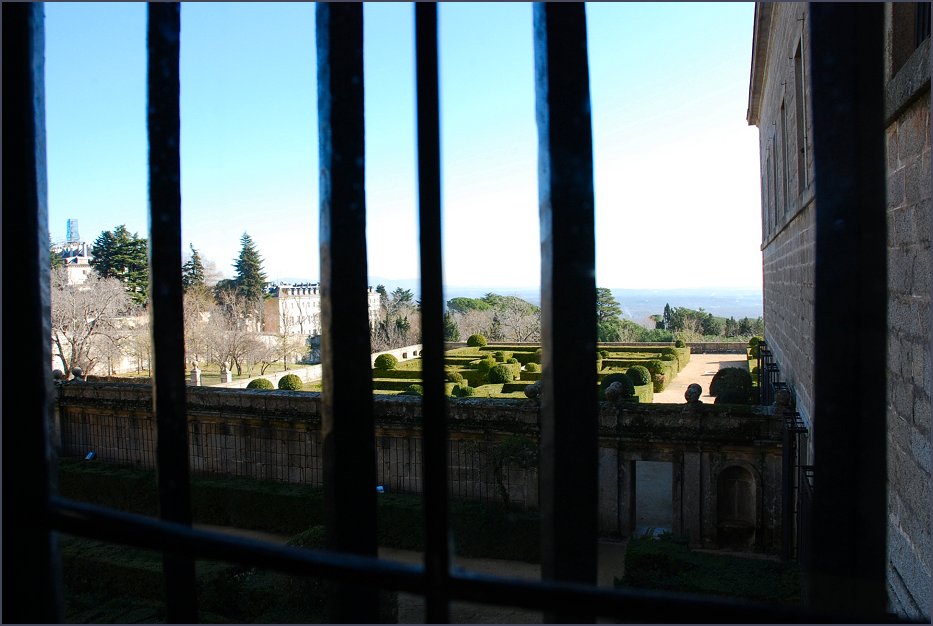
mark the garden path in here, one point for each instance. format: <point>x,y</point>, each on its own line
<point>700,370</point>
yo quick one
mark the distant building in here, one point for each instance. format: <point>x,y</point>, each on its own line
<point>779,105</point>
<point>296,309</point>
<point>76,256</point>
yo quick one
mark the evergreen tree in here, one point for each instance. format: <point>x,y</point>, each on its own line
<point>451,331</point>
<point>250,279</point>
<point>55,257</point>
<point>668,318</point>
<point>607,308</point>
<point>123,255</point>
<point>192,272</point>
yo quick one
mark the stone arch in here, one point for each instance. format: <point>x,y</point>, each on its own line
<point>737,506</point>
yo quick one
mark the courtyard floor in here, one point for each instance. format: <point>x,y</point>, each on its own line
<point>700,370</point>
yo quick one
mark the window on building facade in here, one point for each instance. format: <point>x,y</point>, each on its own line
<point>800,122</point>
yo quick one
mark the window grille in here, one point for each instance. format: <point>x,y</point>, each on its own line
<point>33,513</point>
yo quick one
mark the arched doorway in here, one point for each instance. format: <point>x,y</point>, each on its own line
<point>737,507</point>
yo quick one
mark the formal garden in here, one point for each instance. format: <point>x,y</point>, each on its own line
<point>505,370</point>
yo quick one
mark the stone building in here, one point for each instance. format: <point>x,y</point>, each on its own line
<point>779,105</point>
<point>76,259</point>
<point>296,309</point>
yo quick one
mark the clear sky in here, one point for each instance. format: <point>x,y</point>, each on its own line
<point>676,165</point>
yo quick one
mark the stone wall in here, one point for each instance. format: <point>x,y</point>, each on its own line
<point>909,278</point>
<point>275,435</point>
<point>788,217</point>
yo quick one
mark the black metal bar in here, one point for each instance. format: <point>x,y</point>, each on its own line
<point>641,605</point>
<point>434,402</point>
<point>347,425</point>
<point>850,308</point>
<point>31,586</point>
<point>165,294</point>
<point>569,461</point>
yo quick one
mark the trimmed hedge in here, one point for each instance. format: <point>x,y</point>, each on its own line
<point>476,341</point>
<point>385,362</point>
<point>733,382</point>
<point>414,375</point>
<point>502,373</point>
<point>260,383</point>
<point>532,367</point>
<point>454,377</point>
<point>414,390</point>
<point>628,388</point>
<point>463,391</point>
<point>291,382</point>
<point>639,375</point>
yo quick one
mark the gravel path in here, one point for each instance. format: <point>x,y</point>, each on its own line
<point>700,369</point>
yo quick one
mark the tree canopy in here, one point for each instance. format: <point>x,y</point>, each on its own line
<point>192,272</point>
<point>123,255</point>
<point>250,279</point>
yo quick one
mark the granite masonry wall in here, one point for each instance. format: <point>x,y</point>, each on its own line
<point>726,460</point>
<point>788,217</point>
<point>909,336</point>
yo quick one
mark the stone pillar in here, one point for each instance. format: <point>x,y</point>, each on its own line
<point>692,500</point>
<point>196,376</point>
<point>626,497</point>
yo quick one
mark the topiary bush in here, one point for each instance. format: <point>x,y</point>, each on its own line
<point>532,367</point>
<point>732,381</point>
<point>463,391</point>
<point>290,382</point>
<point>385,362</point>
<point>414,390</point>
<point>484,365</point>
<point>260,383</point>
<point>754,341</point>
<point>539,353</point>
<point>659,382</point>
<point>512,360</point>
<point>628,388</point>
<point>501,373</point>
<point>476,341</point>
<point>639,375</point>
<point>454,377</point>
<point>680,344</point>
<point>654,367</point>
<point>603,354</point>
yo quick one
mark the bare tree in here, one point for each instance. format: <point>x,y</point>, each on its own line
<point>81,317</point>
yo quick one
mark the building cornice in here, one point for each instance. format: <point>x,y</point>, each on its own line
<point>760,42</point>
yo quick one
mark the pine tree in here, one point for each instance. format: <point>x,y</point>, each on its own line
<point>250,279</point>
<point>192,272</point>
<point>123,255</point>
<point>607,308</point>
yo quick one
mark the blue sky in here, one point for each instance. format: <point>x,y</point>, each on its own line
<point>676,166</point>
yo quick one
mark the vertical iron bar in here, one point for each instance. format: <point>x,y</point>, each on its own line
<point>568,296</point>
<point>165,295</point>
<point>850,309</point>
<point>434,402</point>
<point>347,424</point>
<point>31,580</point>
